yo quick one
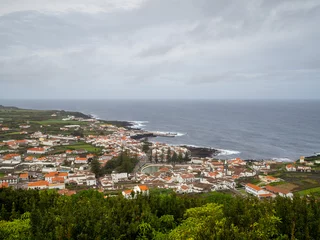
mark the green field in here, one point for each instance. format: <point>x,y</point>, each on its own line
<point>80,145</point>
<point>57,121</point>
<point>315,191</point>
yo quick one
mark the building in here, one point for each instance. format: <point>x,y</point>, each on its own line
<point>279,191</point>
<point>291,168</point>
<point>91,181</point>
<point>10,180</point>
<point>38,150</point>
<point>38,185</point>
<point>257,191</point>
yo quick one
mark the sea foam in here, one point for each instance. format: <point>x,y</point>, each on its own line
<point>226,152</point>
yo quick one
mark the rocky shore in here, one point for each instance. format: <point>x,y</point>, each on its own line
<point>201,152</point>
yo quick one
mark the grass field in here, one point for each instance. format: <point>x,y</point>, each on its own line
<point>80,145</point>
<point>315,191</point>
<point>57,121</point>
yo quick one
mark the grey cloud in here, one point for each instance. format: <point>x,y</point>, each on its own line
<point>160,44</point>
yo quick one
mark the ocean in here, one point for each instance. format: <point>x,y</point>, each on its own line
<point>259,129</point>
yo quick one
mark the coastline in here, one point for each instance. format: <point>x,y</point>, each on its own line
<point>196,151</point>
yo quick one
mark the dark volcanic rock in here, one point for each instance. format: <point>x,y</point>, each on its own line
<point>202,152</point>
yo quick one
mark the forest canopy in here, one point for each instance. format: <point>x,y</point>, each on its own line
<point>32,214</point>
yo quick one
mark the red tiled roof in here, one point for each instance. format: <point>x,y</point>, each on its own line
<point>277,189</point>
<point>38,184</point>
<point>143,187</point>
<point>255,187</point>
<point>24,175</point>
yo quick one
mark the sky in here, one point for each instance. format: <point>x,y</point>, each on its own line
<point>160,49</point>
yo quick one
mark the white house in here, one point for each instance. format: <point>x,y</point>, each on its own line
<point>38,185</point>
<point>91,181</point>
<point>116,177</point>
<point>257,191</point>
<point>281,192</point>
<point>291,168</point>
<point>143,189</point>
<point>38,150</point>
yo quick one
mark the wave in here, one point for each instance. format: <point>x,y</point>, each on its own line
<point>283,159</point>
<point>94,116</point>
<point>226,152</point>
<point>176,134</point>
<point>138,124</point>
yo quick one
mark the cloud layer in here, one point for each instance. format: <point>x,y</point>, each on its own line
<point>160,49</point>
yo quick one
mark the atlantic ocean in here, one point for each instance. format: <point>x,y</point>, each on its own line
<point>250,129</point>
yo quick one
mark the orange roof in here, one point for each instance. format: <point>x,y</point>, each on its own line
<point>24,175</point>
<point>81,158</point>
<point>143,188</point>
<point>51,174</point>
<point>266,195</point>
<point>63,174</point>
<point>4,185</point>
<point>36,149</point>
<point>277,189</point>
<point>184,187</point>
<point>42,158</point>
<point>38,184</point>
<point>127,191</point>
<point>255,187</point>
<point>29,158</point>
<point>58,179</point>
<point>271,178</point>
<point>10,155</point>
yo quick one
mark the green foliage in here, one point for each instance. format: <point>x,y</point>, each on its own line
<point>123,163</point>
<point>16,229</point>
<point>96,168</point>
<point>31,214</point>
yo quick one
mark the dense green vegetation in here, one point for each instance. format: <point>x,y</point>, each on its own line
<point>123,163</point>
<point>88,215</point>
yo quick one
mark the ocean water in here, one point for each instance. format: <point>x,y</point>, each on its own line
<point>248,129</point>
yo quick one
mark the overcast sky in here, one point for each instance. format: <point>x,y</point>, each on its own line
<point>160,49</point>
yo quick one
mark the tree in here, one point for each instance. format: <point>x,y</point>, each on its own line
<point>187,157</point>
<point>169,155</point>
<point>145,145</point>
<point>174,158</point>
<point>96,167</point>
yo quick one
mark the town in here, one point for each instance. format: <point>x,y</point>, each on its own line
<point>60,153</point>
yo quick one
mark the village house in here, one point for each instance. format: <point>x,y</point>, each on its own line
<point>81,160</point>
<point>304,169</point>
<point>24,177</point>
<point>38,185</point>
<point>38,150</point>
<point>291,168</point>
<point>279,191</point>
<point>51,176</point>
<point>128,193</point>
<point>143,189</point>
<point>185,178</point>
<point>257,191</point>
<point>91,181</point>
<point>117,177</point>
<point>11,180</point>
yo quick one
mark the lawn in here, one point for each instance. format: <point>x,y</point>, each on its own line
<point>80,145</point>
<point>1,174</point>
<point>57,121</point>
<point>309,191</point>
